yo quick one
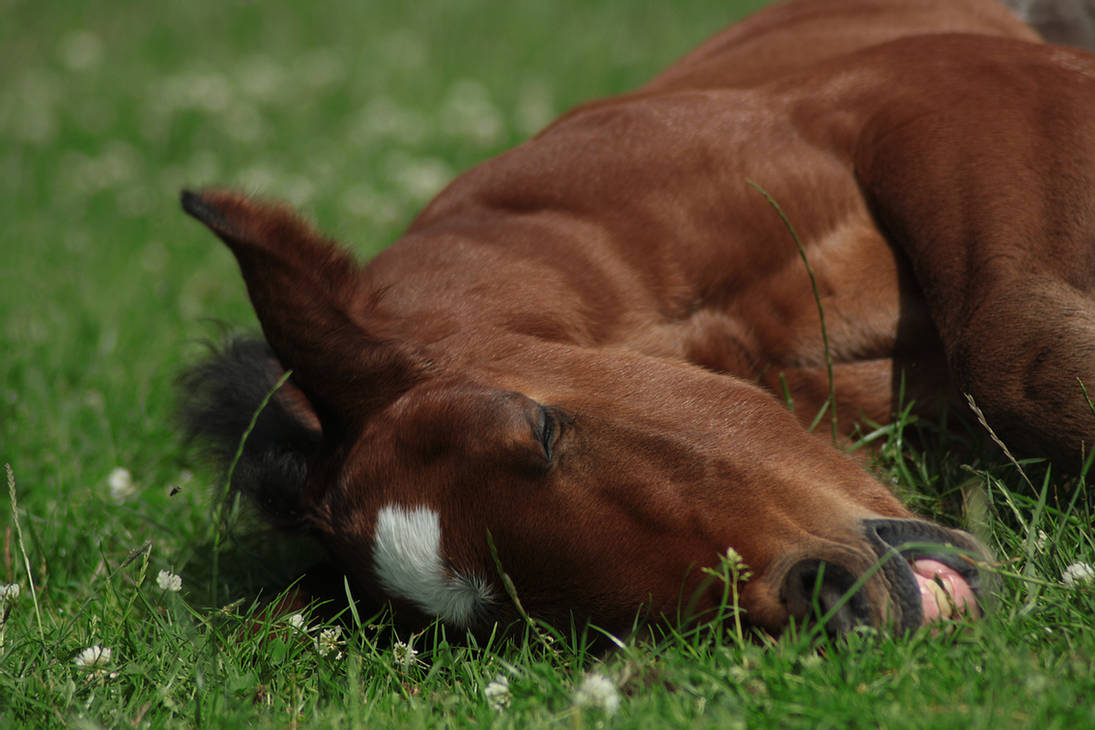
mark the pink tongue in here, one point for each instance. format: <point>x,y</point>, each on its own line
<point>952,598</point>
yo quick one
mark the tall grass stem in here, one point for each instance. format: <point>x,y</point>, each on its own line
<point>830,401</point>
<point>23,550</point>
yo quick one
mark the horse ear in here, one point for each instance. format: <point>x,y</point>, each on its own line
<point>314,306</point>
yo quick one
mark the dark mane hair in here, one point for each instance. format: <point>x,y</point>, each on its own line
<point>217,398</point>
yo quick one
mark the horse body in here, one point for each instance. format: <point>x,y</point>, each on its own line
<point>580,348</point>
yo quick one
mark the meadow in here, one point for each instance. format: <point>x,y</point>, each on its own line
<point>133,609</point>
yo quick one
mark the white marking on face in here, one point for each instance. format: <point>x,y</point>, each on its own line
<point>408,564</point>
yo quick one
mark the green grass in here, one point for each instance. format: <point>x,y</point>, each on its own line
<point>106,110</point>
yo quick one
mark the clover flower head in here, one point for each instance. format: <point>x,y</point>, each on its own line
<point>168,581</point>
<point>598,691</point>
<point>329,642</point>
<point>498,693</point>
<point>9,592</point>
<point>121,485</point>
<point>404,654</point>
<point>1078,574</point>
<point>93,657</point>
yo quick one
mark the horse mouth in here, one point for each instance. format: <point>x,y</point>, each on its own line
<point>937,574</point>
<point>944,593</point>
<point>919,574</point>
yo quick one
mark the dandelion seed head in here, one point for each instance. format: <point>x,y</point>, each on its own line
<point>1078,574</point>
<point>168,581</point>
<point>598,691</point>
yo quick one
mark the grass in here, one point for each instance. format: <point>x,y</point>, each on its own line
<point>106,110</point>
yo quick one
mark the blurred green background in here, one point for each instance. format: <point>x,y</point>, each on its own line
<point>357,112</point>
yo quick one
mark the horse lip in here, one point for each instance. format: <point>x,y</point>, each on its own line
<point>913,539</point>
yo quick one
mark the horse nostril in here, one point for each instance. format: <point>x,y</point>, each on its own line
<point>815,590</point>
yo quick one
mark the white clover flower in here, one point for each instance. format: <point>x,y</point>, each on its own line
<point>297,622</point>
<point>168,581</point>
<point>9,594</point>
<point>121,485</point>
<point>329,642</point>
<point>93,657</point>
<point>498,693</point>
<point>1078,574</point>
<point>404,654</point>
<point>598,691</point>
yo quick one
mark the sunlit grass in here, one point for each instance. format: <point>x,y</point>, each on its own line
<point>358,112</point>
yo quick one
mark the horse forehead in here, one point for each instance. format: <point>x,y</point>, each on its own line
<point>409,564</point>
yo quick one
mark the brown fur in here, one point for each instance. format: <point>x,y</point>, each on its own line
<point>618,277</point>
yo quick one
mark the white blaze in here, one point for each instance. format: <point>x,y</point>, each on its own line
<point>408,563</point>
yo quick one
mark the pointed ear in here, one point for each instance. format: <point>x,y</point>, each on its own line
<point>312,302</point>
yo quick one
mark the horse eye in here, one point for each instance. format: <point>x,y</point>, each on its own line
<point>548,431</point>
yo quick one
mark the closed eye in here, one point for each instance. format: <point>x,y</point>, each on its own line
<point>550,428</point>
